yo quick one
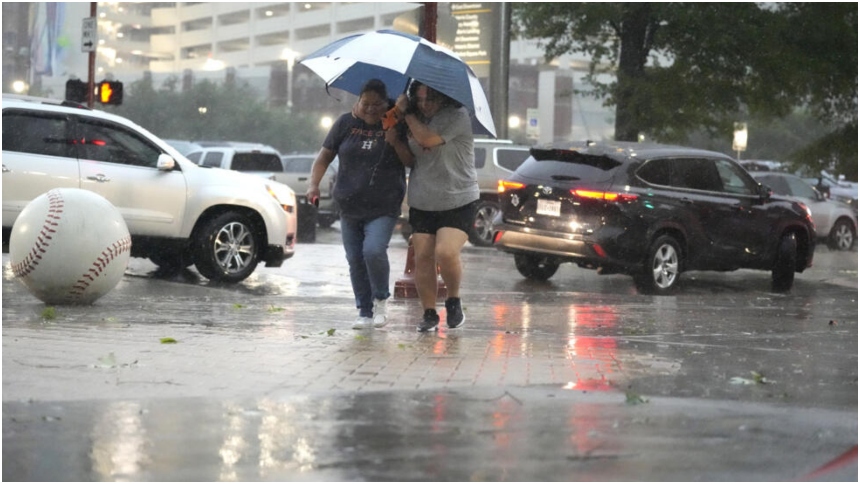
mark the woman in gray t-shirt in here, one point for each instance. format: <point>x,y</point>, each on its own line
<point>442,191</point>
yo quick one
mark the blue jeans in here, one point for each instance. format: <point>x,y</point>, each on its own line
<point>366,245</point>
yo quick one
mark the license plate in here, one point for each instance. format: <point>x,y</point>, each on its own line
<point>549,207</point>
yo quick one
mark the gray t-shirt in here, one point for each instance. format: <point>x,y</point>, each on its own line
<point>444,177</point>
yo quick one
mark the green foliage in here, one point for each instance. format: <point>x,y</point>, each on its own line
<point>233,113</point>
<point>681,68</point>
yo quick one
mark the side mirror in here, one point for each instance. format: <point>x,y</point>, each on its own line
<point>165,162</point>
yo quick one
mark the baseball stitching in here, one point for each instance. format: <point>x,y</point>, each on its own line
<point>43,240</point>
<point>99,265</point>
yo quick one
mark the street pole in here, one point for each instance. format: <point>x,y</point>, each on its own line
<point>430,21</point>
<point>91,77</point>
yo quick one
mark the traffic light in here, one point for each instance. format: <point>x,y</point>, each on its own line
<point>109,92</point>
<point>76,91</point>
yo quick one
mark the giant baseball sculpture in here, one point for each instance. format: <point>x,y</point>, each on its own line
<point>69,246</point>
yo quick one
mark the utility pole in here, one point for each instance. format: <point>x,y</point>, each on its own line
<point>91,77</point>
<point>430,21</point>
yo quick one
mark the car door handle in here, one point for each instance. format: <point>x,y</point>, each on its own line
<point>99,178</point>
<point>686,201</point>
<point>303,178</point>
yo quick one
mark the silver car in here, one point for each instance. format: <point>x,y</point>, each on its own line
<point>835,222</point>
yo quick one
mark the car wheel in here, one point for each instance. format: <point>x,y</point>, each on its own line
<point>481,234</point>
<point>306,221</point>
<point>662,268</point>
<point>782,276</point>
<point>536,267</point>
<point>227,248</point>
<point>842,235</point>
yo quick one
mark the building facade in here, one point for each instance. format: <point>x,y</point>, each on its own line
<point>261,43</point>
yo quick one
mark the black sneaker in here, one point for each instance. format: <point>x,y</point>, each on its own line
<point>430,321</point>
<point>456,318</point>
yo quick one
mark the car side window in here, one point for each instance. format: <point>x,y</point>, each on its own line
<point>213,159</point>
<point>195,157</point>
<point>697,173</point>
<point>511,159</point>
<point>37,133</point>
<point>657,172</point>
<point>800,188</point>
<point>299,165</point>
<point>732,178</point>
<point>107,142</point>
<point>480,157</point>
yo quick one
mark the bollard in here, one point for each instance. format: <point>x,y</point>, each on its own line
<point>404,288</point>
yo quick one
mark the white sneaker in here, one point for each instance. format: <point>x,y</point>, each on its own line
<point>380,312</point>
<point>362,322</point>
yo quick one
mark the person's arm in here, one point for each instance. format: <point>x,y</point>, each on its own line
<point>400,146</point>
<point>422,133</point>
<point>318,169</point>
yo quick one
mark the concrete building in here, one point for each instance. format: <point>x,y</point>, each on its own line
<point>261,43</point>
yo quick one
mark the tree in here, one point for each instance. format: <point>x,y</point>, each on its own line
<point>233,112</point>
<point>683,67</point>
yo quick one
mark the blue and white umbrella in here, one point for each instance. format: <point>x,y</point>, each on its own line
<point>396,58</point>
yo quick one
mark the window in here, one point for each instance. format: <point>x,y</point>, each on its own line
<point>195,157</point>
<point>657,172</point>
<point>480,156</point>
<point>256,162</point>
<point>213,159</point>
<point>698,174</point>
<point>800,188</point>
<point>732,179</point>
<point>511,159</point>
<point>299,165</point>
<point>39,134</point>
<point>108,142</point>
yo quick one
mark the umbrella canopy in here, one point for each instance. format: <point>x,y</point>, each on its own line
<point>396,58</point>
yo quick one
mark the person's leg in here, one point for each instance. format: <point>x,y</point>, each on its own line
<point>377,235</point>
<point>424,247</point>
<point>352,234</point>
<point>449,242</point>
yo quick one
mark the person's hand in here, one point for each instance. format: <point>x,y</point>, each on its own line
<point>402,104</point>
<point>391,136</point>
<point>313,194</point>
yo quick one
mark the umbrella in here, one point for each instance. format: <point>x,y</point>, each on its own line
<point>396,58</point>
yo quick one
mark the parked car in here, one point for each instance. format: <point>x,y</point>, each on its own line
<point>494,160</point>
<point>182,146</point>
<point>834,188</point>
<point>835,222</point>
<point>263,161</point>
<point>298,174</point>
<point>649,211</point>
<point>177,213</point>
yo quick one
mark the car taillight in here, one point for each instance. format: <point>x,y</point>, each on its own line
<point>505,185</point>
<point>608,196</point>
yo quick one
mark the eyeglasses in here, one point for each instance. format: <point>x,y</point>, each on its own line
<point>366,105</point>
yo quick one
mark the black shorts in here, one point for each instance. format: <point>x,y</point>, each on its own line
<point>424,222</point>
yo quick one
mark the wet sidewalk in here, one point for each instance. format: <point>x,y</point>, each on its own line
<point>580,378</point>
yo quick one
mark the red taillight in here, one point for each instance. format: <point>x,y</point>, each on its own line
<point>505,185</point>
<point>608,196</point>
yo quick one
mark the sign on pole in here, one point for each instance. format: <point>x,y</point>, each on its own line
<point>89,35</point>
<point>532,126</point>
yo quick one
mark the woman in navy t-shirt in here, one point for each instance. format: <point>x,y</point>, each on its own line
<point>369,188</point>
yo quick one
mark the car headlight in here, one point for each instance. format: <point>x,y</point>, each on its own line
<point>285,196</point>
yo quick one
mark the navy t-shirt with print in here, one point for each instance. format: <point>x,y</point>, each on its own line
<point>371,180</point>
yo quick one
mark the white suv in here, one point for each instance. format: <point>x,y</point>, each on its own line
<point>178,213</point>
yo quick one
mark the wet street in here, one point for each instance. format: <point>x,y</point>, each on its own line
<point>170,377</point>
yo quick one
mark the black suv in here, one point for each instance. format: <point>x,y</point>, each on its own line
<point>649,211</point>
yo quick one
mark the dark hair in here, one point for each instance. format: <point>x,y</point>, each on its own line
<point>433,94</point>
<point>375,85</point>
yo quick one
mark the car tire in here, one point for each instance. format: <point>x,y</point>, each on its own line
<point>661,269</point>
<point>481,234</point>
<point>842,235</point>
<point>536,267</point>
<point>782,276</point>
<point>306,221</point>
<point>227,248</point>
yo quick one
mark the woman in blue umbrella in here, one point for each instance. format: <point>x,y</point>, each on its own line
<point>369,189</point>
<point>442,193</point>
